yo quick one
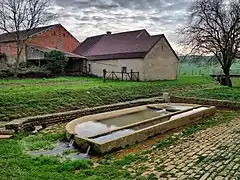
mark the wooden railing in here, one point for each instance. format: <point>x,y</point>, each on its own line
<point>123,76</point>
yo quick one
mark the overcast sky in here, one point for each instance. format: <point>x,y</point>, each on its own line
<point>85,18</point>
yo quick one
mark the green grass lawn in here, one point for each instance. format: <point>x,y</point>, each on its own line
<point>217,92</point>
<point>21,98</point>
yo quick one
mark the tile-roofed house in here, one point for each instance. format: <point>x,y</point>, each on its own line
<point>151,56</point>
<point>52,36</point>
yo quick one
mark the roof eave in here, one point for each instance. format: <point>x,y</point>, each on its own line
<point>119,56</point>
<point>44,49</point>
<point>103,59</point>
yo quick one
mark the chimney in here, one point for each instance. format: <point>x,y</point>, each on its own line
<point>109,32</point>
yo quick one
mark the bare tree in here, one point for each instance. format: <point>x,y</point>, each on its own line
<point>214,29</point>
<point>22,15</point>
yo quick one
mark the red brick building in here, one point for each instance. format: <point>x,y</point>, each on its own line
<point>53,36</point>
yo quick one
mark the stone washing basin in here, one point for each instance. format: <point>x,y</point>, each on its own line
<point>116,129</point>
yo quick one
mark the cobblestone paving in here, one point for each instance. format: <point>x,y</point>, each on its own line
<point>213,153</point>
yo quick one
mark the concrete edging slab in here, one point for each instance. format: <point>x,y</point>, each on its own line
<point>221,104</point>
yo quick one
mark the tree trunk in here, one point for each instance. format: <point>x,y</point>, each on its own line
<point>16,67</point>
<point>226,80</point>
<point>19,51</point>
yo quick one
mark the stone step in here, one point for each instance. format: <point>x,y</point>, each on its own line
<point>5,136</point>
<point>4,131</point>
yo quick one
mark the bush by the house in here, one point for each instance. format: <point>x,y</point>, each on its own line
<point>56,62</point>
<point>34,72</point>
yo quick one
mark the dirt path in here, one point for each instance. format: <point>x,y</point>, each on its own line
<point>213,153</point>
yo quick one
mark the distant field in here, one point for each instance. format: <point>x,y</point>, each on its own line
<point>21,98</point>
<point>200,69</point>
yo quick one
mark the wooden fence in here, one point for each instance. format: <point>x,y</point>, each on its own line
<point>123,76</point>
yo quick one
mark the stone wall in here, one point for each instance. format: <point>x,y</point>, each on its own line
<point>221,104</point>
<point>47,119</point>
<point>161,63</point>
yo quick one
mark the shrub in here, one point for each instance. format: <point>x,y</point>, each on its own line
<point>34,72</point>
<point>56,62</point>
<point>3,58</point>
<point>6,70</point>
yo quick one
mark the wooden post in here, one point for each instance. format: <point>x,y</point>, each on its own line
<point>104,75</point>
<point>131,75</point>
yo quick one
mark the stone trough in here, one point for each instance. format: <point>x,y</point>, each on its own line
<point>117,129</point>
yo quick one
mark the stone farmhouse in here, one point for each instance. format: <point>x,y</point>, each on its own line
<point>151,56</point>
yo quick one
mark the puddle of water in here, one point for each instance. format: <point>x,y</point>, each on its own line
<point>113,136</point>
<point>59,150</point>
<point>77,156</point>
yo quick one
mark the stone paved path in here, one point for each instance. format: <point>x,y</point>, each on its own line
<point>213,153</point>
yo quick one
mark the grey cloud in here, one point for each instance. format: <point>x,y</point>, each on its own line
<point>82,4</point>
<point>129,4</point>
<point>92,17</point>
<point>169,18</point>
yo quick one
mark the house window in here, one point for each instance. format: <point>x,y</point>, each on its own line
<point>124,69</point>
<point>63,34</point>
<point>54,33</point>
<point>162,48</point>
